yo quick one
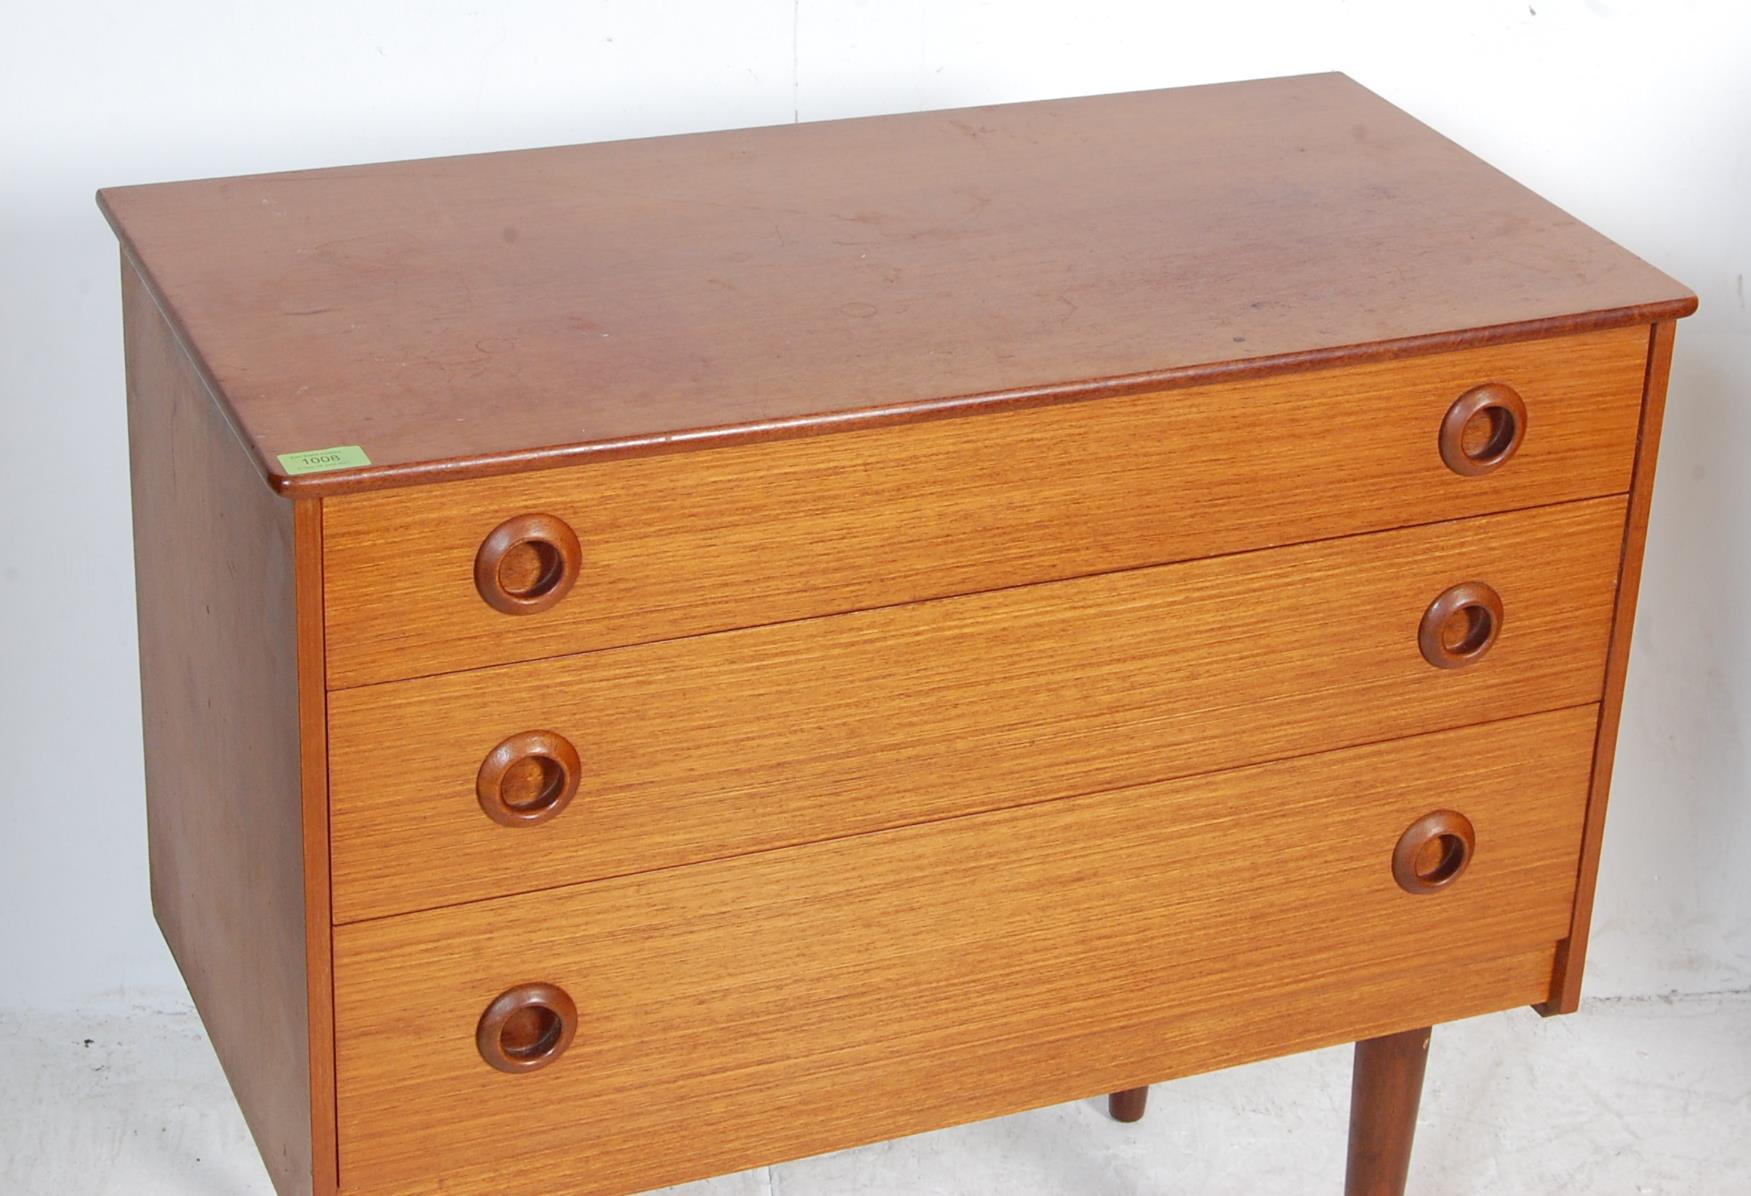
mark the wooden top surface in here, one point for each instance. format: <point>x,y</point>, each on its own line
<point>472,315</point>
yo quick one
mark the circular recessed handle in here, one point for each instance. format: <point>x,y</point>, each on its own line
<point>1459,626</point>
<point>1434,852</point>
<point>1482,429</point>
<point>527,564</point>
<point>528,779</point>
<point>527,1027</point>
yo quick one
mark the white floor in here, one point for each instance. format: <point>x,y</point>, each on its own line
<point>1633,1097</point>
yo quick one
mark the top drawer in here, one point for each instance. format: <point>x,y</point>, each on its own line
<point>440,578</point>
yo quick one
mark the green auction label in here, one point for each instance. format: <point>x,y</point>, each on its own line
<point>345,456</point>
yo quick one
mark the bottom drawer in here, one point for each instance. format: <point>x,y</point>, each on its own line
<point>748,1010</point>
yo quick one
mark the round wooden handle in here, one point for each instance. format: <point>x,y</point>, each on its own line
<point>527,564</point>
<point>1434,852</point>
<point>528,779</point>
<point>1482,429</point>
<point>527,1027</point>
<point>1460,625</point>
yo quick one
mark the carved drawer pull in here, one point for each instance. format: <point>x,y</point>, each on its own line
<point>1482,429</point>
<point>527,564</point>
<point>1434,852</point>
<point>1460,626</point>
<point>528,779</point>
<point>527,1027</point>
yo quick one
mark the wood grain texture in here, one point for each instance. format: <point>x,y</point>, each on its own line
<point>1572,954</point>
<point>693,749</point>
<point>488,313</point>
<point>680,545</point>
<point>221,689</point>
<point>775,1005</point>
<point>313,777</point>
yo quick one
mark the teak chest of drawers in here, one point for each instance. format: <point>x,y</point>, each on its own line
<point>668,656</point>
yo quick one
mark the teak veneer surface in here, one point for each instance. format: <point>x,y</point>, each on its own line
<point>760,1008</point>
<point>481,314</point>
<point>1572,956</point>
<point>744,740</point>
<point>221,691</point>
<point>681,544</point>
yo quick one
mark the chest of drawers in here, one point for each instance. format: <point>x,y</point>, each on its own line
<point>668,656</point>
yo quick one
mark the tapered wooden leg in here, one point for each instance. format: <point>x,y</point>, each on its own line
<point>1129,1104</point>
<point>1384,1091</point>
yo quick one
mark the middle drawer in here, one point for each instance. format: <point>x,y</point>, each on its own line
<point>691,749</point>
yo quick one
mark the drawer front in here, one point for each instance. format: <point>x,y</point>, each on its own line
<point>686,543</point>
<point>754,1009</point>
<point>723,744</point>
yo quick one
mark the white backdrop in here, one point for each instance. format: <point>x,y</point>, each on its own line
<point>1633,114</point>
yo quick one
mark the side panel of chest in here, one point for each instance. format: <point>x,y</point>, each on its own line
<point>229,586</point>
